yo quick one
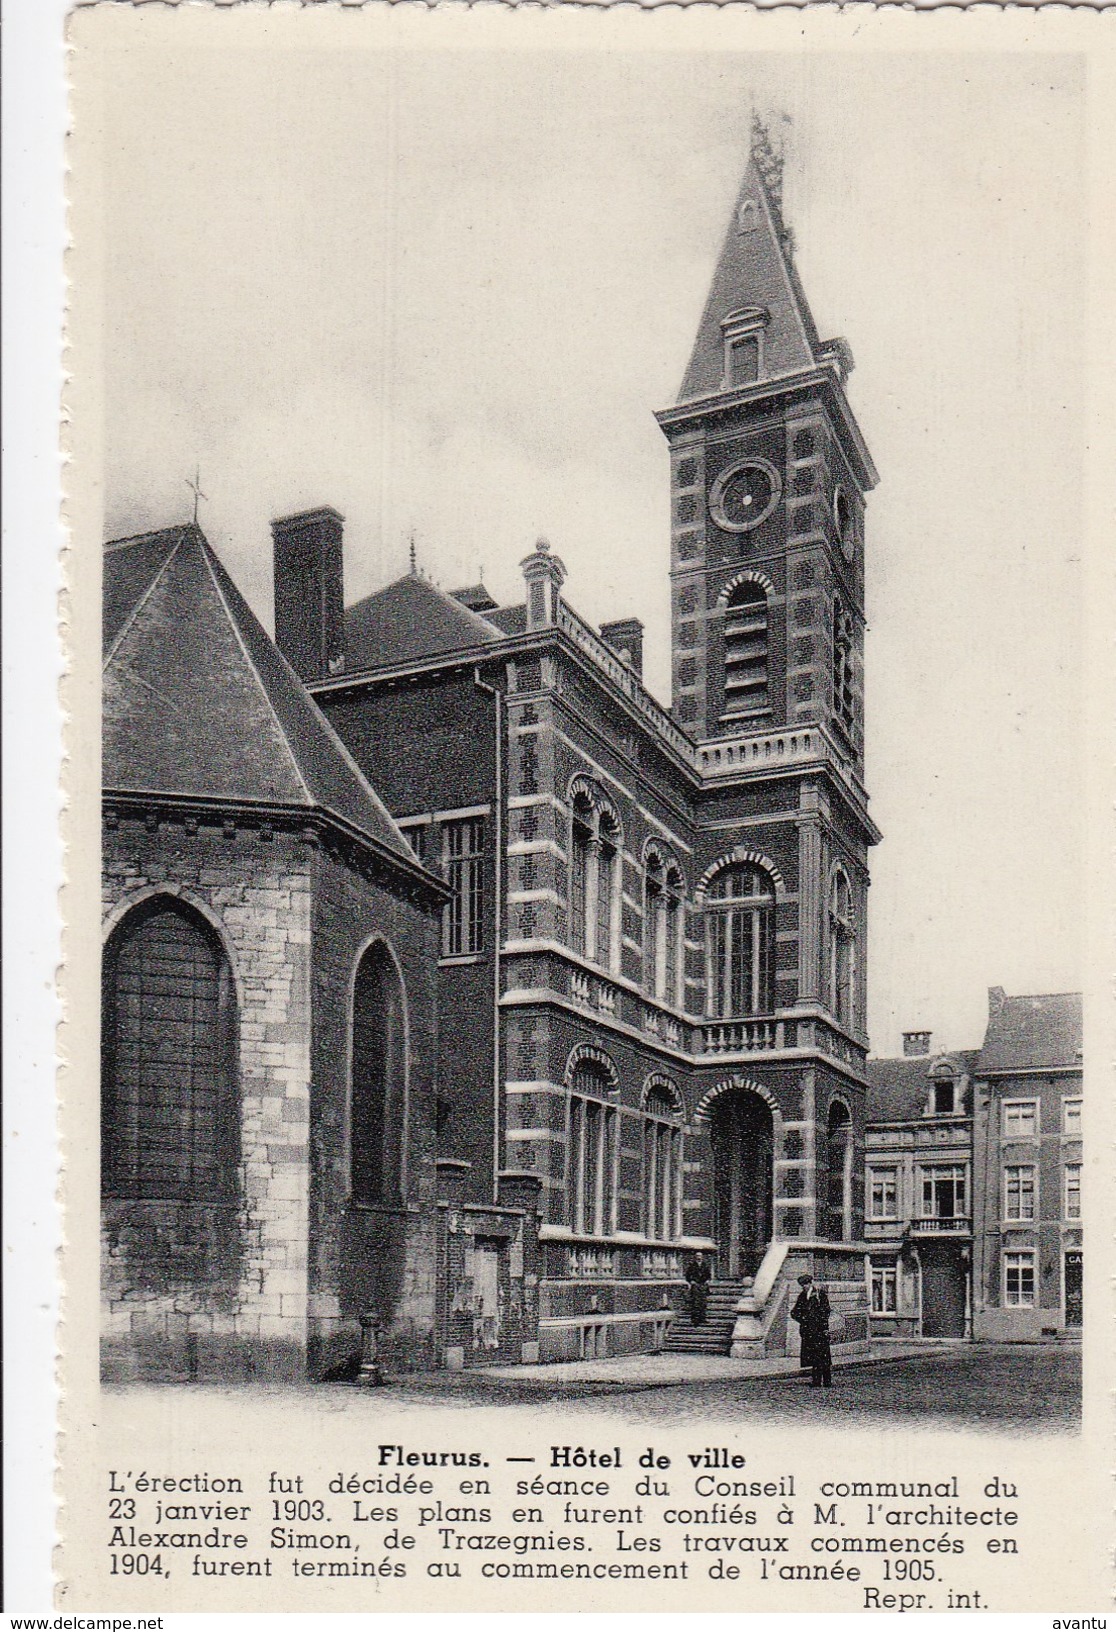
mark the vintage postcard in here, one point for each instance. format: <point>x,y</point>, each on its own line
<point>587,1060</point>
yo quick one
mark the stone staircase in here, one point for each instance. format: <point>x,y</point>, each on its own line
<point>715,1337</point>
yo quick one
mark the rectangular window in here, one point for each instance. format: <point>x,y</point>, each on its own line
<point>1019,1192</point>
<point>944,1097</point>
<point>1019,1280</point>
<point>884,1299</point>
<point>1020,1118</point>
<point>883,1192</point>
<point>1071,1117</point>
<point>743,360</point>
<point>463,853</point>
<point>944,1192</point>
<point>1073,1191</point>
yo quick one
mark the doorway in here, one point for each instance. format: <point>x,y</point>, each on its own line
<point>944,1282</point>
<point>742,1133</point>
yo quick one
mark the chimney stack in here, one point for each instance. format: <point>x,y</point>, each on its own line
<point>916,1043</point>
<point>625,636</point>
<point>310,592</point>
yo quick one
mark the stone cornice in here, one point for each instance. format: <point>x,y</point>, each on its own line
<point>308,822</point>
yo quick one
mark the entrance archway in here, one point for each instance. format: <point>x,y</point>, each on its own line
<point>742,1134</point>
<point>839,1173</point>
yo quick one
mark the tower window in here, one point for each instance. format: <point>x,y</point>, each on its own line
<point>740,943</point>
<point>744,360</point>
<point>746,650</point>
<point>843,706</point>
<point>842,950</point>
<point>170,1116</point>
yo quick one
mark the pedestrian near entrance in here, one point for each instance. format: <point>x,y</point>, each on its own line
<point>811,1311</point>
<point>698,1275</point>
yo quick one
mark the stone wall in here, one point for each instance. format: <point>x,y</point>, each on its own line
<point>191,1290</point>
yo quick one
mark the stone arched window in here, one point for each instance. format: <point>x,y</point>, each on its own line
<point>377,1095</point>
<point>595,889</point>
<point>740,942</point>
<point>663,929</point>
<point>842,950</point>
<point>170,1113</point>
<point>662,1162</point>
<point>592,1147</point>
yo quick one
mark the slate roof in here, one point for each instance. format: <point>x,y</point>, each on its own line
<point>510,620</point>
<point>1032,1033</point>
<point>897,1089</point>
<point>410,619</point>
<point>754,269</point>
<point>198,701</point>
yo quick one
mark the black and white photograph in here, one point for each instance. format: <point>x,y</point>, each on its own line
<point>588,525</point>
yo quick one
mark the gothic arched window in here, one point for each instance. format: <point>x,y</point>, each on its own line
<point>740,942</point>
<point>170,1121</point>
<point>842,950</point>
<point>746,649</point>
<point>378,1085</point>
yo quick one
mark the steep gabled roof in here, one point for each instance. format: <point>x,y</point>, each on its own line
<point>898,1088</point>
<point>198,701</point>
<point>407,620</point>
<point>1035,1033</point>
<point>755,269</point>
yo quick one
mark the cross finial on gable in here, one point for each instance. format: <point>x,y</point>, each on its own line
<point>195,489</point>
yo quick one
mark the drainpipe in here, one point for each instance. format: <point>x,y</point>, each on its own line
<point>498,925</point>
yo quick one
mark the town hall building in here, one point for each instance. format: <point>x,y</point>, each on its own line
<point>457,990</point>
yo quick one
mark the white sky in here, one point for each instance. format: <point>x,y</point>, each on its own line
<point>447,290</point>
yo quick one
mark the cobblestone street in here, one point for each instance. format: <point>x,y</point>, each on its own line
<point>1000,1386</point>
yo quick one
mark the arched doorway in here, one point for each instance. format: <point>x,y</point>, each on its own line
<point>742,1133</point>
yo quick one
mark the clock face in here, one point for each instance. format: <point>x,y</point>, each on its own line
<point>744,495</point>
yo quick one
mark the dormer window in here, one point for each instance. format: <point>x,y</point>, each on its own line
<point>943,1094</point>
<point>743,338</point>
<point>946,1091</point>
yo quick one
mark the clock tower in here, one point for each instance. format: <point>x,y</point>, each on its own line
<point>768,477</point>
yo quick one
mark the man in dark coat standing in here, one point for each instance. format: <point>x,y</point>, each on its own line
<point>698,1275</point>
<point>811,1311</point>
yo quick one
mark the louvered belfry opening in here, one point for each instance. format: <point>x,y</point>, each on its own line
<point>170,1106</point>
<point>746,650</point>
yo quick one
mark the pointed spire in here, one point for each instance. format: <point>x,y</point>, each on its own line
<point>411,552</point>
<point>756,322</point>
